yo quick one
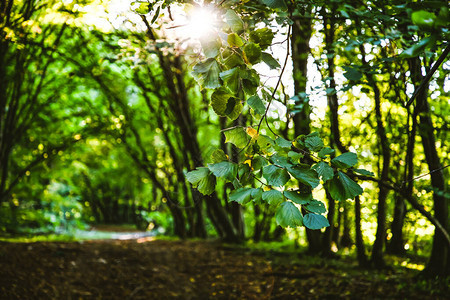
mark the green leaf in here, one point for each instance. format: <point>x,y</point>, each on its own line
<point>256,104</point>
<point>295,157</point>
<point>233,60</point>
<point>341,187</point>
<point>196,175</point>
<point>283,143</point>
<point>234,21</point>
<point>269,60</point>
<point>262,36</point>
<point>257,195</point>
<point>258,162</point>
<point>237,136</point>
<point>423,19</point>
<point>231,79</point>
<point>280,160</point>
<point>211,47</point>
<point>234,40</point>
<point>306,176</point>
<point>225,169</point>
<point>324,170</point>
<point>419,47</point>
<point>207,185</point>
<point>325,151</point>
<point>265,143</point>
<point>363,172</point>
<point>288,215</point>
<point>208,73</point>
<point>252,52</point>
<point>224,104</point>
<point>299,198</point>
<point>313,221</point>
<point>314,143</point>
<point>345,160</point>
<point>275,176</point>
<point>273,197</point>
<point>315,206</point>
<point>352,74</point>
<point>218,156</point>
<point>242,195</point>
<point>275,3</point>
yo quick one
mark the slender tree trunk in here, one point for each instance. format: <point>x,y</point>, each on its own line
<point>396,244</point>
<point>380,237</point>
<point>346,240</point>
<point>363,261</point>
<point>438,264</point>
<point>301,34</point>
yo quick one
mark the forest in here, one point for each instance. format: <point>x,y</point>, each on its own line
<point>224,149</point>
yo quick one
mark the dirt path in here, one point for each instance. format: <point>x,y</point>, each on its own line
<point>148,269</point>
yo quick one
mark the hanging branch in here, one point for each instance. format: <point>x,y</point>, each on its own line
<point>276,86</point>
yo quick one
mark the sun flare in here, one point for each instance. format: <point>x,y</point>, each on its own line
<point>203,22</point>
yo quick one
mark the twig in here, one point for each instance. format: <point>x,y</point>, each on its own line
<point>276,86</point>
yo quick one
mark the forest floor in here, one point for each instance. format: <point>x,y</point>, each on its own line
<point>148,268</point>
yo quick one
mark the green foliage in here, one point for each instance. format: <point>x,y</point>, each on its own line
<point>288,215</point>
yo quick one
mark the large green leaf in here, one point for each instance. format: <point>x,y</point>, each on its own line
<point>283,143</point>
<point>231,79</point>
<point>224,104</point>
<point>299,198</point>
<point>275,176</point>
<point>236,136</point>
<point>273,197</point>
<point>265,143</point>
<point>252,52</point>
<point>280,160</point>
<point>341,187</point>
<point>345,160</point>
<point>313,221</point>
<point>288,215</point>
<point>314,143</point>
<point>242,195</point>
<point>218,156</point>
<point>196,175</point>
<point>258,162</point>
<point>207,185</point>
<point>233,60</point>
<point>263,37</point>
<point>234,40</point>
<point>315,206</point>
<point>270,61</point>
<point>234,21</point>
<point>207,73</point>
<point>306,176</point>
<point>225,169</point>
<point>324,170</point>
<point>256,104</point>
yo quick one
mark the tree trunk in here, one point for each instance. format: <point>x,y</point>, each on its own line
<point>360,248</point>
<point>385,154</point>
<point>301,34</point>
<point>438,264</point>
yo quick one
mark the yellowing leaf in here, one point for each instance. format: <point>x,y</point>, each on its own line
<point>252,132</point>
